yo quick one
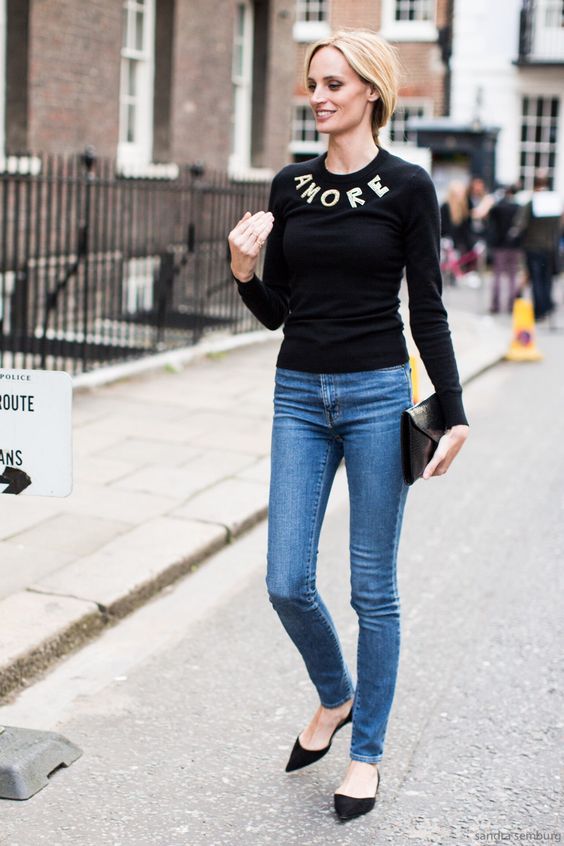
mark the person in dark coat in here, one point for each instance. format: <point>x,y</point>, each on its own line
<point>539,223</point>
<point>505,247</point>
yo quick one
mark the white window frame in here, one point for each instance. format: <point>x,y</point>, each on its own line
<point>299,146</point>
<point>139,151</point>
<point>2,78</point>
<point>308,31</point>
<point>424,103</point>
<point>242,82</point>
<point>406,30</point>
<point>548,31</point>
<point>526,172</point>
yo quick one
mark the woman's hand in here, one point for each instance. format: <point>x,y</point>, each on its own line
<point>448,447</point>
<point>246,241</point>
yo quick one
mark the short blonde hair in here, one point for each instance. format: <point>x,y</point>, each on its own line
<point>374,59</point>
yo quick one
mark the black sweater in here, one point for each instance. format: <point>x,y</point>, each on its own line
<point>333,267</point>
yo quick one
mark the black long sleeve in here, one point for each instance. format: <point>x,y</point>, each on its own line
<point>333,267</point>
<point>269,300</point>
<point>428,318</point>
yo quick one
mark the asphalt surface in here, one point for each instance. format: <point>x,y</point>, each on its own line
<point>187,711</point>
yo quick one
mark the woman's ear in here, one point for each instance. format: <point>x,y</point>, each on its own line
<point>373,93</point>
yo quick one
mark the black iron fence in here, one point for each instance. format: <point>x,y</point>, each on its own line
<point>96,268</point>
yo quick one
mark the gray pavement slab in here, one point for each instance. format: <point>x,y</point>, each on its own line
<point>109,503</point>
<point>189,477</point>
<point>76,534</point>
<point>116,573</point>
<point>22,565</point>
<point>244,432</point>
<point>134,453</point>
<point>236,503</point>
<point>101,470</point>
<point>22,512</point>
<point>188,445</point>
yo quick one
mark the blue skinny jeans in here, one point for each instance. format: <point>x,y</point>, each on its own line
<point>319,419</point>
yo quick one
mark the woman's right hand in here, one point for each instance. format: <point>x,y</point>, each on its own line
<point>246,240</point>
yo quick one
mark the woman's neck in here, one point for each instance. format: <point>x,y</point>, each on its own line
<point>347,155</point>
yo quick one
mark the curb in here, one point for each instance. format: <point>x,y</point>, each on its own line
<point>82,618</point>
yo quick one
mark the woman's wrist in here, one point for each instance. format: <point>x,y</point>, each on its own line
<point>237,278</point>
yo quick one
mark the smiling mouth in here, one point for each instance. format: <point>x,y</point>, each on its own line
<point>324,113</point>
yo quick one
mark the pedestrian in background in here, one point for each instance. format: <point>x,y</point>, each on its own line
<point>505,247</point>
<point>479,204</point>
<point>458,239</point>
<point>456,223</point>
<point>538,223</point>
<point>340,228</point>
<point>480,201</point>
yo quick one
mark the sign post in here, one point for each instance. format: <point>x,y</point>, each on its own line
<point>35,459</point>
<point>35,432</point>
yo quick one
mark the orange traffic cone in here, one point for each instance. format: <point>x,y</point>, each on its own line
<point>523,347</point>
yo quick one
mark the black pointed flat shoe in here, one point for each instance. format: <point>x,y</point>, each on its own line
<point>301,757</point>
<point>348,807</point>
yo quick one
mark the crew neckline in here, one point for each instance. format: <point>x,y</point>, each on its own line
<point>355,175</point>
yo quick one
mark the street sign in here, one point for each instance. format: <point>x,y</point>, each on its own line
<point>35,432</point>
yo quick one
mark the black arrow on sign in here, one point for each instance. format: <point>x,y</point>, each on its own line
<point>16,480</point>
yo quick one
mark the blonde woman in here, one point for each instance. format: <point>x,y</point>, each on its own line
<point>341,228</point>
<point>456,221</point>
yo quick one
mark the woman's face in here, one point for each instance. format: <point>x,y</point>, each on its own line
<point>340,99</point>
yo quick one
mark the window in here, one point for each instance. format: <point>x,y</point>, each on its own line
<point>539,137</point>
<point>242,83</point>
<point>409,20</point>
<point>548,30</point>
<point>303,125</point>
<point>137,74</point>
<point>414,10</point>
<point>306,140</point>
<point>405,110</point>
<point>2,74</point>
<point>553,13</point>
<point>312,10</point>
<point>312,20</point>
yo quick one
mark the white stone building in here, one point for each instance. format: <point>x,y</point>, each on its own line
<point>507,69</point>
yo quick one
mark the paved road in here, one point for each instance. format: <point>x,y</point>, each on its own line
<point>188,709</point>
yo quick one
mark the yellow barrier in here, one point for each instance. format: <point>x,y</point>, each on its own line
<point>523,347</point>
<point>414,364</point>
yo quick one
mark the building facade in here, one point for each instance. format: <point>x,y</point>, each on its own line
<point>508,72</point>
<point>156,82</point>
<point>419,28</point>
<point>148,82</point>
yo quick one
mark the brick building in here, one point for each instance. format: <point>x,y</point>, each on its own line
<point>415,26</point>
<point>155,82</point>
<point>148,81</point>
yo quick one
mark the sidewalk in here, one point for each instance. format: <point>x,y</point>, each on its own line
<point>169,467</point>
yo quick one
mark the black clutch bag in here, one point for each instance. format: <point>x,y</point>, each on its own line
<point>422,427</point>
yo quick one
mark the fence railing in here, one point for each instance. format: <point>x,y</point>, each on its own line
<point>97,268</point>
